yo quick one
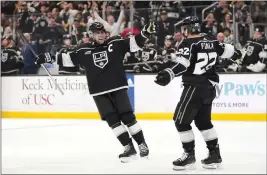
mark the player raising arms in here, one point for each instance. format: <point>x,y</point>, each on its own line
<point>107,82</point>
<point>196,58</point>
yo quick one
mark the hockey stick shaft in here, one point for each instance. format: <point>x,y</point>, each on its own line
<point>47,71</point>
<point>141,63</point>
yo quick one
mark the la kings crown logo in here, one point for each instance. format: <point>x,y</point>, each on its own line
<point>100,59</point>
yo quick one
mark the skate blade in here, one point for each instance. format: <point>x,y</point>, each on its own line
<point>212,166</point>
<point>186,167</point>
<point>128,159</point>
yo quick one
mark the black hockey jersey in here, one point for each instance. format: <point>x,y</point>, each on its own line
<point>253,48</point>
<point>130,61</point>
<point>103,64</point>
<point>196,59</point>
<point>11,60</point>
<point>164,55</point>
<point>66,70</point>
<point>148,58</point>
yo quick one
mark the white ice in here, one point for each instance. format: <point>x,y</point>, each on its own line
<point>89,146</point>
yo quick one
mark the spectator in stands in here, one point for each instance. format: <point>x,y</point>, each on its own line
<point>220,37</point>
<point>165,27</point>
<point>58,21</point>
<point>227,22</point>
<point>228,36</point>
<point>178,39</point>
<point>26,22</point>
<point>258,11</point>
<point>77,30</point>
<point>242,10</point>
<point>221,10</point>
<point>124,23</point>
<point>85,38</point>
<point>243,18</point>
<point>68,13</point>
<point>7,29</point>
<point>110,25</point>
<point>209,25</point>
<point>135,30</point>
<point>29,59</point>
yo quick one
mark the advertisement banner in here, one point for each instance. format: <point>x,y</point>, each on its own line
<point>30,93</point>
<point>238,93</point>
<point>241,96</point>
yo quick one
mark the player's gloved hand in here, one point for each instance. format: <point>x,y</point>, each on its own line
<point>149,29</point>
<point>164,77</point>
<point>263,54</point>
<point>237,55</point>
<point>44,58</point>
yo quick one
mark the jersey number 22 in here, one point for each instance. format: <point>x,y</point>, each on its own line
<point>205,61</point>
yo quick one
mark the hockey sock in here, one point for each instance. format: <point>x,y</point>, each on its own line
<point>210,137</point>
<point>121,133</point>
<point>188,140</point>
<point>136,132</point>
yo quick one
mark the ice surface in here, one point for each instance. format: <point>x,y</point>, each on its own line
<point>89,146</point>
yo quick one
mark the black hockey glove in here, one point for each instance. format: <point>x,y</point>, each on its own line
<point>44,58</point>
<point>237,55</point>
<point>149,29</point>
<point>164,77</point>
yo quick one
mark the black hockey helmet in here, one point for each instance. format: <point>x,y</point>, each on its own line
<point>259,29</point>
<point>96,26</point>
<point>85,35</point>
<point>191,23</point>
<point>66,37</point>
<point>169,37</point>
<point>7,37</point>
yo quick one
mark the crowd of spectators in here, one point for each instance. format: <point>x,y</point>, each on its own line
<point>46,22</point>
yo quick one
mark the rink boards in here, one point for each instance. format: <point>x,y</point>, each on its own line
<point>239,97</point>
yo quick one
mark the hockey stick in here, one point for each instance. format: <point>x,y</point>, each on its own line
<point>141,63</point>
<point>47,71</point>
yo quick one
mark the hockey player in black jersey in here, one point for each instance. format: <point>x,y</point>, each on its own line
<point>11,58</point>
<point>67,48</point>
<point>196,58</point>
<point>255,50</point>
<point>148,58</point>
<point>165,52</point>
<point>107,82</point>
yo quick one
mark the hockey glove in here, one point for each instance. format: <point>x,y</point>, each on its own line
<point>44,58</point>
<point>149,29</point>
<point>263,54</point>
<point>164,77</point>
<point>237,55</point>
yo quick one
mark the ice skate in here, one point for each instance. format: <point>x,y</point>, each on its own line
<point>187,161</point>
<point>213,161</point>
<point>128,154</point>
<point>144,151</point>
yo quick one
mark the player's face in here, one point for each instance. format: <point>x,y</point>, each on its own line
<point>67,42</point>
<point>184,31</point>
<point>257,35</point>
<point>99,36</point>
<point>85,39</point>
<point>167,43</point>
<point>5,42</point>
